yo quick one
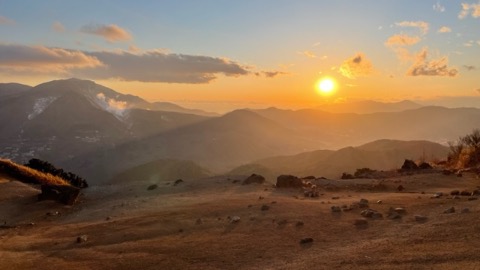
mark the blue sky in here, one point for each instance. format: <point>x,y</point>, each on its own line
<point>296,40</point>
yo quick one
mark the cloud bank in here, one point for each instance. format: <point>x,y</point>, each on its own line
<point>436,67</point>
<point>111,33</point>
<point>469,9</point>
<point>356,66</point>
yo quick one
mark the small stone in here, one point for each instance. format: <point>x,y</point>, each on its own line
<point>274,202</point>
<point>178,181</point>
<point>82,239</point>
<point>265,207</point>
<point>465,210</point>
<point>199,221</point>
<point>152,187</point>
<point>360,222</point>
<point>335,209</point>
<point>306,240</point>
<point>449,210</point>
<point>55,213</point>
<point>235,219</point>
<point>299,224</point>
<point>400,210</point>
<point>420,218</point>
<point>335,198</point>
<point>379,202</point>
<point>108,218</point>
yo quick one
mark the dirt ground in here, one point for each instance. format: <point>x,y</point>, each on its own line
<point>188,226</point>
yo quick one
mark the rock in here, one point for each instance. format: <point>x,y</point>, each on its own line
<point>336,209</point>
<point>289,181</point>
<point>371,213</point>
<point>306,240</point>
<point>476,192</point>
<point>347,176</point>
<point>400,188</point>
<point>449,210</point>
<point>265,207</point>
<point>335,198</point>
<point>54,213</point>
<point>235,219</point>
<point>425,166</point>
<point>400,210</point>
<point>465,193</point>
<point>465,210</point>
<point>392,214</point>
<point>254,178</point>
<point>82,239</point>
<point>379,202</point>
<point>363,203</point>
<point>152,187</point>
<point>60,193</point>
<point>178,181</point>
<point>299,224</point>
<point>437,195</point>
<point>420,218</point>
<point>409,165</point>
<point>360,222</point>
<point>454,192</point>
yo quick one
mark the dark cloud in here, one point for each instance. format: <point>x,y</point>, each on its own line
<point>437,67</point>
<point>110,32</point>
<point>469,67</point>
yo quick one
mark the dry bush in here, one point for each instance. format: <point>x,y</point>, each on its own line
<point>28,175</point>
<point>466,152</point>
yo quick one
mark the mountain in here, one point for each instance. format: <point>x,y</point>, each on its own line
<point>61,119</point>
<point>369,106</point>
<point>378,155</point>
<point>171,107</point>
<point>9,89</point>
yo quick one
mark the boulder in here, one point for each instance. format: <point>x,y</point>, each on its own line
<point>152,187</point>
<point>289,181</point>
<point>254,178</point>
<point>60,193</point>
<point>82,239</point>
<point>425,166</point>
<point>306,240</point>
<point>178,181</point>
<point>409,165</point>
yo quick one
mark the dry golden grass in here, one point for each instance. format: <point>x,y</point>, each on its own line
<point>28,175</point>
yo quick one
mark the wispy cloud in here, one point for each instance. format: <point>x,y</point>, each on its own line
<point>356,66</point>
<point>5,20</point>
<point>444,29</point>
<point>424,67</point>
<point>468,43</point>
<point>438,7</point>
<point>423,26</point>
<point>469,67</point>
<point>58,27</point>
<point>270,74</point>
<point>469,9</point>
<point>111,33</point>
<point>402,40</point>
<point>308,54</point>
<point>43,59</point>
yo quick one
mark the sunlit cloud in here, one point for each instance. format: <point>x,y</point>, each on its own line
<point>270,74</point>
<point>356,66</point>
<point>423,26</point>
<point>111,33</point>
<point>469,67</point>
<point>402,40</point>
<point>438,7</point>
<point>437,67</point>
<point>444,29</point>
<point>58,27</point>
<point>43,59</point>
<point>308,54</point>
<point>5,20</point>
<point>469,9</point>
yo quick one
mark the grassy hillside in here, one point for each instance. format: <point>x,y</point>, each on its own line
<point>28,175</point>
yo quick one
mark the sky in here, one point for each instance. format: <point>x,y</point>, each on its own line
<point>216,54</point>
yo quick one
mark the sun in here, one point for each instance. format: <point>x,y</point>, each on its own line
<point>326,86</point>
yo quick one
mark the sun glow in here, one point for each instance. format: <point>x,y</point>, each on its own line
<point>326,86</point>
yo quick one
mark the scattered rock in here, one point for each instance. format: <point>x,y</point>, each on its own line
<point>152,187</point>
<point>360,222</point>
<point>392,214</point>
<point>82,239</point>
<point>420,218</point>
<point>437,195</point>
<point>235,219</point>
<point>409,165</point>
<point>363,203</point>
<point>336,209</point>
<point>476,192</point>
<point>371,213</point>
<point>465,210</point>
<point>178,181</point>
<point>254,178</point>
<point>60,193</point>
<point>265,207</point>
<point>465,193</point>
<point>289,181</point>
<point>455,192</point>
<point>400,210</point>
<point>306,240</point>
<point>379,202</point>
<point>449,210</point>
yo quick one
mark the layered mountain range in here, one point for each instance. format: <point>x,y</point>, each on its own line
<point>98,132</point>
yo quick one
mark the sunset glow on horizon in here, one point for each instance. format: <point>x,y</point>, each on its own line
<point>265,52</point>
